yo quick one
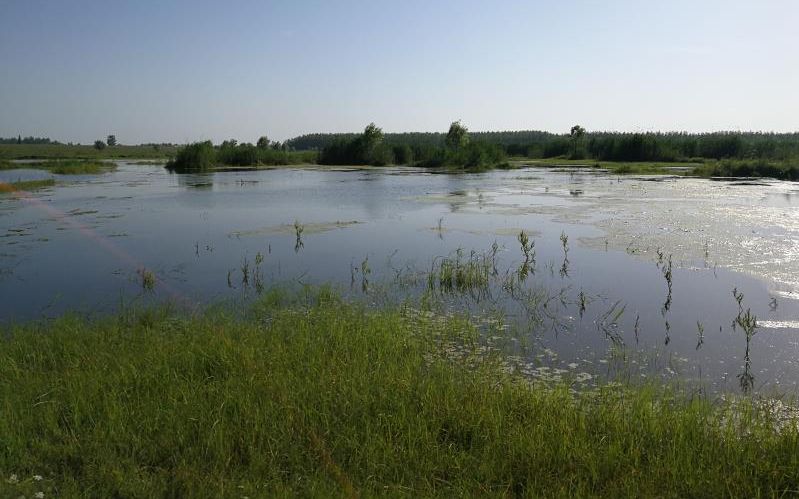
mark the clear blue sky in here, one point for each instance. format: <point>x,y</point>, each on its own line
<point>182,71</point>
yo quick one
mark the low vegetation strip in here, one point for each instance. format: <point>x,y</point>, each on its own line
<point>64,166</point>
<point>318,397</point>
<point>67,151</point>
<point>781,170</point>
<point>25,185</point>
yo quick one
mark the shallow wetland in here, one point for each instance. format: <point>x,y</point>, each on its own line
<point>623,277</point>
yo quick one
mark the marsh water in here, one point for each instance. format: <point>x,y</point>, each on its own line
<point>632,276</point>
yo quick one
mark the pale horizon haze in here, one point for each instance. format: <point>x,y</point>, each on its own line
<point>174,71</point>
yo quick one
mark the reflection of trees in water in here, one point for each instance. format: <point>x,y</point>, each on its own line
<point>196,188</point>
<point>196,181</point>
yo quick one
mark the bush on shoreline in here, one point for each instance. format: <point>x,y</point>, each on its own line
<point>204,157</point>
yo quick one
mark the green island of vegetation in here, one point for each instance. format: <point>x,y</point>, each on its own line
<point>310,395</point>
<point>203,156</point>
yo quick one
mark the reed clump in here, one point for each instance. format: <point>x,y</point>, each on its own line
<point>459,274</point>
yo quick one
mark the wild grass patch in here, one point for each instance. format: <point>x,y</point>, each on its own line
<point>312,395</point>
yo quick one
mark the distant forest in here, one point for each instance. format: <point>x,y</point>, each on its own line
<point>26,140</point>
<point>607,146</point>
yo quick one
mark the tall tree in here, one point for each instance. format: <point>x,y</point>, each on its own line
<point>263,142</point>
<point>576,133</point>
<point>372,135</point>
<point>457,136</point>
<point>111,140</point>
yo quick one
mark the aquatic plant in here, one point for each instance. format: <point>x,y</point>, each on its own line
<point>748,323</point>
<point>528,246</point>
<point>564,268</point>
<point>700,335</point>
<point>667,275</point>
<point>607,323</point>
<point>528,250</point>
<point>258,273</point>
<point>365,271</point>
<point>298,230</point>
<point>147,279</point>
<point>245,272</point>
<point>461,275</point>
<point>582,300</point>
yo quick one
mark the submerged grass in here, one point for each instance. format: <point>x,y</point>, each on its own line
<point>310,395</point>
<point>26,185</point>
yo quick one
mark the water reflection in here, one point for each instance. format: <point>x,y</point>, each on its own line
<point>195,181</point>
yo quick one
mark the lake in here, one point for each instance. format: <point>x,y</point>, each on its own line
<point>632,277</point>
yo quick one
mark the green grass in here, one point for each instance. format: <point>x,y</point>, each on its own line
<point>313,396</point>
<point>61,151</point>
<point>26,185</point>
<point>65,166</point>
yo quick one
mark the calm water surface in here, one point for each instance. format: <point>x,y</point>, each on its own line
<point>606,310</point>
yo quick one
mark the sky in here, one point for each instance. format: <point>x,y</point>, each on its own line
<point>181,71</point>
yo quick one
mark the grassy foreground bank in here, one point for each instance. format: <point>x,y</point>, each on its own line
<point>323,398</point>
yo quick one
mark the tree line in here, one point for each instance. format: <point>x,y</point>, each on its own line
<point>580,144</point>
<point>26,140</point>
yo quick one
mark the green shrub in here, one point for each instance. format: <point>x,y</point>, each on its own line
<point>196,157</point>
